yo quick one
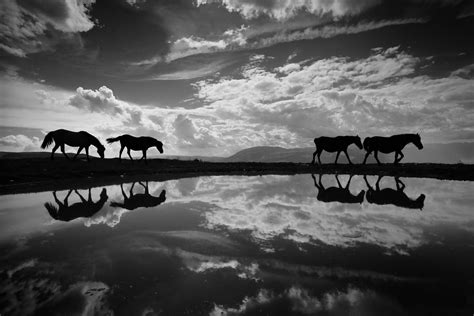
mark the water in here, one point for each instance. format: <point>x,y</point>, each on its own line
<point>265,245</point>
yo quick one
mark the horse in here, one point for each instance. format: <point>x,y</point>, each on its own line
<point>337,194</point>
<point>80,139</point>
<point>335,144</point>
<point>134,201</point>
<point>390,144</point>
<point>86,208</point>
<point>390,196</point>
<point>136,143</point>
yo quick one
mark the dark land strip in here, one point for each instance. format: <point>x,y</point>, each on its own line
<point>42,174</point>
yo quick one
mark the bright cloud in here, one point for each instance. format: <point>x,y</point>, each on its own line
<point>284,9</point>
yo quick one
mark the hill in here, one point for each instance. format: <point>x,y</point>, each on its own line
<point>431,153</point>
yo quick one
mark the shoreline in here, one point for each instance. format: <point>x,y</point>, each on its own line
<point>41,174</point>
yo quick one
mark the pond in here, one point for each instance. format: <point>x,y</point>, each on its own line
<point>238,245</point>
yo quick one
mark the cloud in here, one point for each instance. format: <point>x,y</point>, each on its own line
<point>301,301</point>
<point>103,100</point>
<point>379,94</point>
<point>283,9</point>
<point>20,143</point>
<point>32,26</point>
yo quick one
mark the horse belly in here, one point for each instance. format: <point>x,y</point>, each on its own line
<point>386,148</point>
<point>135,147</point>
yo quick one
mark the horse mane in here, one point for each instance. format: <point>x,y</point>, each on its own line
<point>52,209</point>
<point>95,141</point>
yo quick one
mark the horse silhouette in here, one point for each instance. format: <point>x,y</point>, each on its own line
<point>136,143</point>
<point>86,208</point>
<point>335,144</point>
<point>390,144</point>
<point>337,194</point>
<point>390,196</point>
<point>82,139</point>
<point>134,201</point>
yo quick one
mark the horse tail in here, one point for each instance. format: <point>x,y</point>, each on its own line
<point>48,140</point>
<point>52,210</point>
<point>112,139</point>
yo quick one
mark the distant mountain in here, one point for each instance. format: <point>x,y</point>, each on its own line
<point>435,153</point>
<point>297,155</point>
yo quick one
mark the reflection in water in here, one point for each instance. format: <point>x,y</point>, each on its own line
<point>337,194</point>
<point>134,201</point>
<point>243,246</point>
<point>390,196</point>
<point>86,208</point>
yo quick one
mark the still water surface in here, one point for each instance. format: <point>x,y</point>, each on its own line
<point>269,245</point>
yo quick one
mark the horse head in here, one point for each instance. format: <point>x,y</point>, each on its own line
<point>417,141</point>
<point>159,146</point>
<point>100,151</point>
<point>357,141</point>
<point>421,201</point>
<point>360,196</point>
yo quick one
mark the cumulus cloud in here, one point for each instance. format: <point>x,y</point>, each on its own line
<point>20,143</point>
<point>103,100</point>
<point>376,94</point>
<point>24,24</point>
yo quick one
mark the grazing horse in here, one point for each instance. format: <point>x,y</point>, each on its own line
<point>134,201</point>
<point>337,194</point>
<point>390,196</point>
<point>86,208</point>
<point>390,144</point>
<point>335,144</point>
<point>80,139</point>
<point>136,143</point>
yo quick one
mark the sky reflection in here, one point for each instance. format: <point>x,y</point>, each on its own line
<point>241,245</point>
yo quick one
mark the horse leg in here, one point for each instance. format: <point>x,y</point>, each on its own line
<point>128,152</point>
<point>144,156</point>
<point>120,154</point>
<point>87,153</point>
<point>377,185</point>
<point>314,157</point>
<point>319,157</point>
<point>123,192</point>
<point>131,189</point>
<point>338,182</point>
<point>401,156</point>
<point>366,156</point>
<point>64,152</point>
<point>337,157</point>
<point>78,151</point>
<point>80,196</point>
<point>348,159</point>
<point>56,146</point>
<point>376,155</point>
<point>400,184</point>
<point>349,182</point>
<point>66,199</point>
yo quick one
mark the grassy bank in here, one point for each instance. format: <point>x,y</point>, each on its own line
<point>42,174</point>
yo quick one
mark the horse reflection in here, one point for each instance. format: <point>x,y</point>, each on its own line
<point>134,201</point>
<point>86,208</point>
<point>391,196</point>
<point>337,194</point>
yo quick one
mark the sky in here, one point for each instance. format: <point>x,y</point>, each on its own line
<point>212,77</point>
